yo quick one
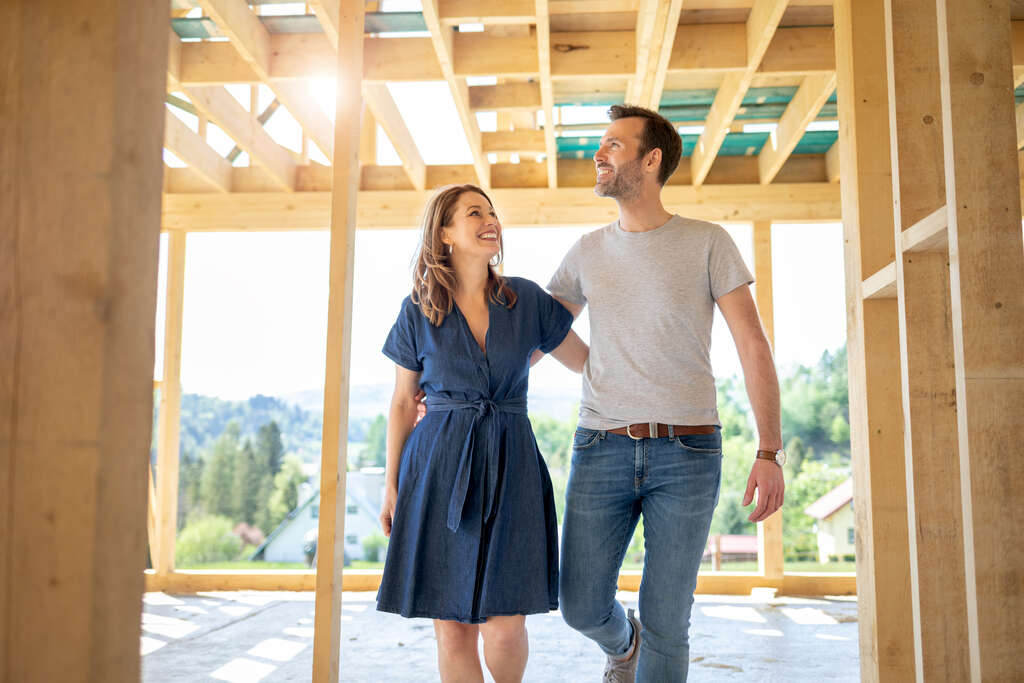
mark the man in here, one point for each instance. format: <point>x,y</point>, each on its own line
<point>649,439</point>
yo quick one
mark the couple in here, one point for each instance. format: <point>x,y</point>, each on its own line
<point>468,502</point>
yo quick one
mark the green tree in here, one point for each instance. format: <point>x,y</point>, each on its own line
<point>207,539</point>
<point>190,474</point>
<point>269,446</point>
<point>285,496</point>
<point>218,479</point>
<point>251,472</point>
<point>554,439</point>
<point>375,453</point>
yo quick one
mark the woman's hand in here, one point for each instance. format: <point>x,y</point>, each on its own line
<point>387,512</point>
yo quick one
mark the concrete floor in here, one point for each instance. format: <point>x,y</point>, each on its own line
<point>256,636</point>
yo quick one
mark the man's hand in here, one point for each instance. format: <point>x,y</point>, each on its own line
<point>766,477</point>
<point>421,407</point>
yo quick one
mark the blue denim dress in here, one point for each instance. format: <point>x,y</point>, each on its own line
<point>474,533</point>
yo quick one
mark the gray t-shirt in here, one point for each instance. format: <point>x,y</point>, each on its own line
<point>651,298</point>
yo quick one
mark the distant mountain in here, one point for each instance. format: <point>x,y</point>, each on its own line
<point>299,415</point>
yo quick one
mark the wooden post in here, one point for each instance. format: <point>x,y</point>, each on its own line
<point>934,514</point>
<point>79,232</point>
<point>770,557</point>
<point>986,259</point>
<point>876,423</point>
<point>169,416</point>
<point>331,546</point>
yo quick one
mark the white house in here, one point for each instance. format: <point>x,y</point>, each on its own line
<point>363,496</point>
<point>835,527</point>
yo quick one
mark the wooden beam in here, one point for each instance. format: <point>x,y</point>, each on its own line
<point>698,51</point>
<point>832,164</point>
<point>876,422</point>
<point>252,41</point>
<point>546,90</point>
<point>655,37</point>
<point>442,40</point>
<point>331,547</point>
<point>220,107</point>
<point>185,144</point>
<point>760,29</point>
<point>542,206</point>
<point>770,559</point>
<point>326,12</point>
<point>713,583</point>
<point>492,13</point>
<point>385,112</point>
<point>508,96</point>
<point>986,260</point>
<point>519,141</point>
<point>802,109</point>
<point>169,414</point>
<point>934,510</point>
<point>1019,115</point>
<point>79,244</point>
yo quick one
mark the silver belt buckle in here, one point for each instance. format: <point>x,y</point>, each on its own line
<point>652,431</point>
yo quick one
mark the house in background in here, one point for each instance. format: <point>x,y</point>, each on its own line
<point>363,496</point>
<point>835,527</point>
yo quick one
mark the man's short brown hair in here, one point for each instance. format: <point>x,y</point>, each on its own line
<point>658,132</point>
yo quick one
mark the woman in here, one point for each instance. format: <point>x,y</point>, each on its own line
<point>468,502</point>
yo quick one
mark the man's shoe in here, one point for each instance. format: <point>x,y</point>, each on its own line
<point>623,669</point>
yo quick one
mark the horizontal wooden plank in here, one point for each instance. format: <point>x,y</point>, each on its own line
<point>519,141</point>
<point>491,13</point>
<point>519,206</point>
<point>505,97</point>
<point>928,234</point>
<point>881,285</point>
<point>716,583</point>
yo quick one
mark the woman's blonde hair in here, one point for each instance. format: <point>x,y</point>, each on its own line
<point>433,279</point>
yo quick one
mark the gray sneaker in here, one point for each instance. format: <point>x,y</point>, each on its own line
<point>624,670</point>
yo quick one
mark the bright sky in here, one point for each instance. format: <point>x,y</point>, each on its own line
<point>255,304</point>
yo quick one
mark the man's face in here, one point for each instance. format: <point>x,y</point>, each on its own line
<point>618,160</point>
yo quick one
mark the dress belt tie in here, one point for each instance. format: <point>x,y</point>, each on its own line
<point>484,408</point>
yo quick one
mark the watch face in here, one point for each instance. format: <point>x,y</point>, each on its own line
<point>780,457</point>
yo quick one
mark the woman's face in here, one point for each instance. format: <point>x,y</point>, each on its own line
<point>474,229</point>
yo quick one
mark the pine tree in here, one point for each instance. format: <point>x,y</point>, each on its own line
<point>218,478</point>
<point>270,447</point>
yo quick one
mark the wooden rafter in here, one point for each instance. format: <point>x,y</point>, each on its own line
<point>802,109</point>
<point>385,112</point>
<point>251,39</point>
<point>760,29</point>
<point>221,108</point>
<point>192,149</point>
<point>547,97</point>
<point>443,41</point>
<point>655,35</point>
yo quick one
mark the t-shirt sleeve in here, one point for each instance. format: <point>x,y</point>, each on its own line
<point>555,321</point>
<point>566,282</point>
<point>725,265</point>
<point>400,345</point>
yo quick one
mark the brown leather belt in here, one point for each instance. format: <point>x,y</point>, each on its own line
<point>647,430</point>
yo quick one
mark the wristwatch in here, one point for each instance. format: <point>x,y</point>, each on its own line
<point>778,457</point>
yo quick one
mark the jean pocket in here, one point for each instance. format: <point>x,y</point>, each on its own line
<point>584,438</point>
<point>707,444</point>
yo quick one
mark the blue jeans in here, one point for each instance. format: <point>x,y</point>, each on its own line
<point>673,482</point>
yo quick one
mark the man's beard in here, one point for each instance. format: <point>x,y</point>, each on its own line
<point>625,183</point>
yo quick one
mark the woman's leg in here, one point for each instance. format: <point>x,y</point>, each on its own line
<point>506,647</point>
<point>457,657</point>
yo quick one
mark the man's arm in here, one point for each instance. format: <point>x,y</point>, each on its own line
<point>575,309</point>
<point>763,389</point>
